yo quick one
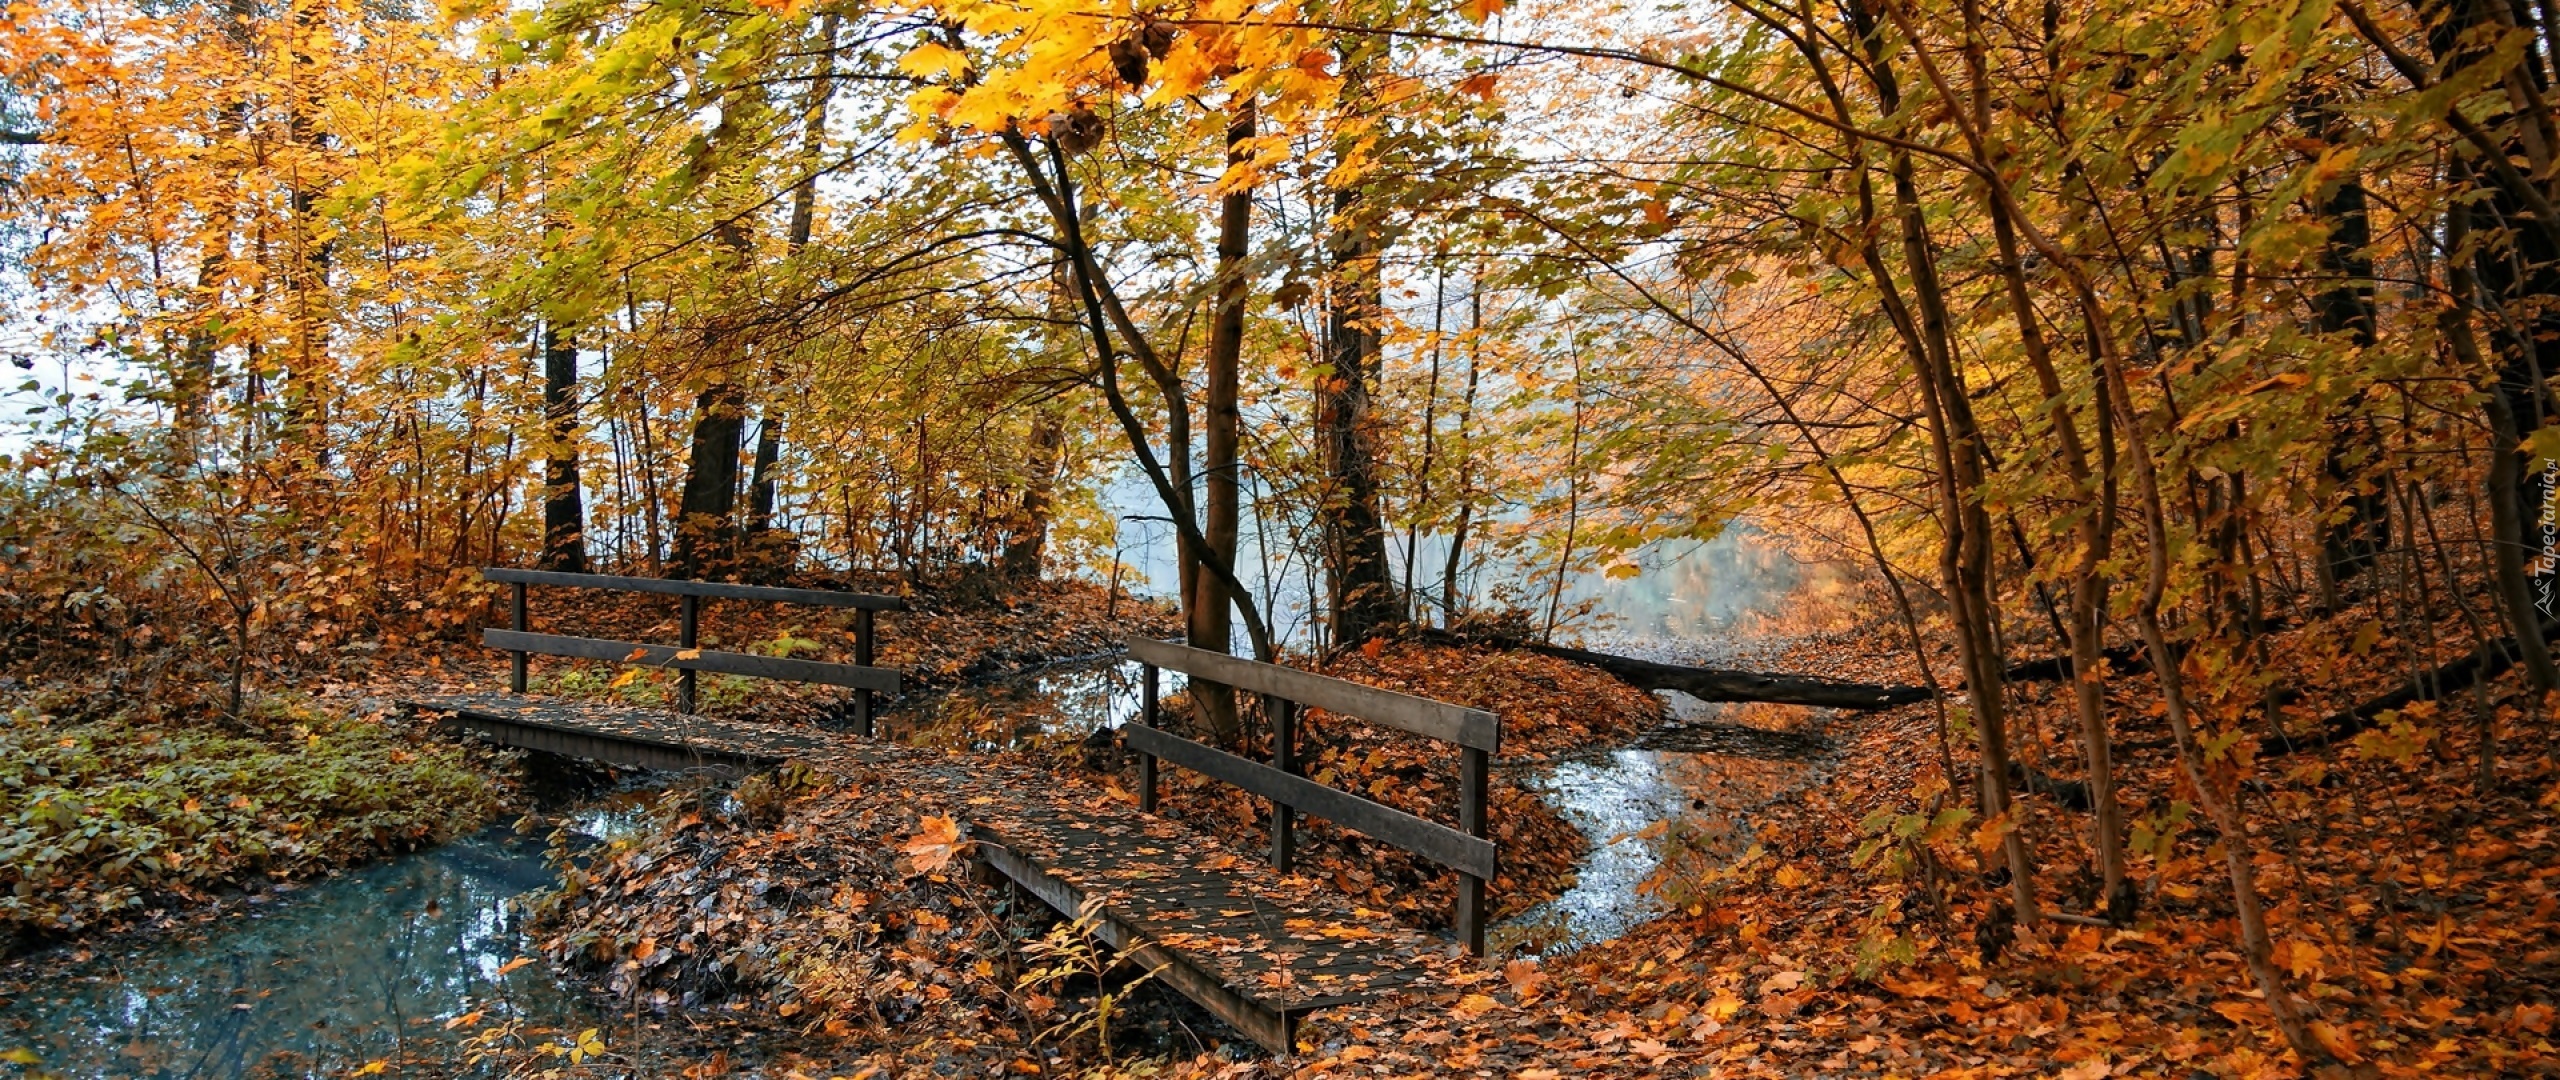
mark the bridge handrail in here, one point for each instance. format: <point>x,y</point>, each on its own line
<point>1422,716</point>
<point>719,590</point>
<point>684,656</point>
<point>1477,733</point>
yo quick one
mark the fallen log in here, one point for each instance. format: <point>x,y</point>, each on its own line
<point>2485,663</point>
<point>1722,684</point>
<point>2121,660</point>
<point>2072,794</point>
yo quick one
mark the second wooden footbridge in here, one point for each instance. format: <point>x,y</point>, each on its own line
<point>1259,948</point>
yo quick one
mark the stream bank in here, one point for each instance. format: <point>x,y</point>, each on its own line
<point>372,964</point>
<point>319,977</point>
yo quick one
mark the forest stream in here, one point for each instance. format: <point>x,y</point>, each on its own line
<point>322,977</point>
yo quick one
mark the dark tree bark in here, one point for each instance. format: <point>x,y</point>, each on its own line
<point>2505,267</point>
<point>1956,449</point>
<point>308,253</point>
<point>706,512</point>
<point>1212,621</point>
<point>1363,599</point>
<point>769,553</point>
<point>1466,460</point>
<point>564,515</point>
<point>2349,545</point>
<point>707,508</point>
<point>1720,684</point>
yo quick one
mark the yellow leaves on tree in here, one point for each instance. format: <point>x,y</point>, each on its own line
<point>1022,63</point>
<point>933,60</point>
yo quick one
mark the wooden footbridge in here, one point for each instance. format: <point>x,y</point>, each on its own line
<point>1253,945</point>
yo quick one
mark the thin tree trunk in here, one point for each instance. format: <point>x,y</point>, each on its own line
<point>1573,498</point>
<point>1211,623</point>
<point>1466,458</point>
<point>1421,503</point>
<point>564,515</point>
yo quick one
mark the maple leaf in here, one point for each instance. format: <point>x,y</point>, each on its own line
<point>2337,1041</point>
<point>1480,11</point>
<point>937,839</point>
<point>1524,976</point>
<point>931,60</point>
<point>2302,958</point>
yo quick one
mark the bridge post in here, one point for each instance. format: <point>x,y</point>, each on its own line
<point>515,674</point>
<point>1473,765</point>
<point>688,621</point>
<point>1284,757</point>
<point>862,645</point>
<point>1147,761</point>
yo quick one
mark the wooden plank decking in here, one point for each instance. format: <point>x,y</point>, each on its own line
<point>620,735</point>
<point>1216,925</point>
<point>1259,950</point>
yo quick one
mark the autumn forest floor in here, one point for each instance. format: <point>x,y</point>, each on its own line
<point>1853,928</point>
<point>804,925</point>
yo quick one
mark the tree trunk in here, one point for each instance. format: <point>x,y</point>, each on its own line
<point>705,511</point>
<point>1466,453</point>
<point>2513,275</point>
<point>1363,600</point>
<point>564,516</point>
<point>772,555</point>
<point>2350,544</point>
<point>1955,440</point>
<point>1027,543</point>
<point>308,252</point>
<point>1211,624</point>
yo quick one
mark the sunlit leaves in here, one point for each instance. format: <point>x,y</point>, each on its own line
<point>936,841</point>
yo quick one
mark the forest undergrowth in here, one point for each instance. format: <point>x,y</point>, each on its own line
<point>113,819</point>
<point>1856,928</point>
<point>132,800</point>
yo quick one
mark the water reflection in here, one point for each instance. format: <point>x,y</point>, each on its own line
<point>307,981</point>
<point>1695,781</point>
<point>1039,710</point>
<point>1699,599</point>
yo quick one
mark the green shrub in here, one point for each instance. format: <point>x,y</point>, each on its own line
<point>97,817</point>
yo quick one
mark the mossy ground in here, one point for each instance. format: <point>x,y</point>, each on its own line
<point>110,816</point>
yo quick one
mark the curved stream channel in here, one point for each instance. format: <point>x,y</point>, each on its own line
<point>320,978</point>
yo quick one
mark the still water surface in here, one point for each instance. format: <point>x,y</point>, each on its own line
<point>305,981</point>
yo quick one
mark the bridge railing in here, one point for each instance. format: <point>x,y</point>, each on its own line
<point>1476,733</point>
<point>685,656</point>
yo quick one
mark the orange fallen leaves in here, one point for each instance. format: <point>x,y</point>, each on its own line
<point>936,841</point>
